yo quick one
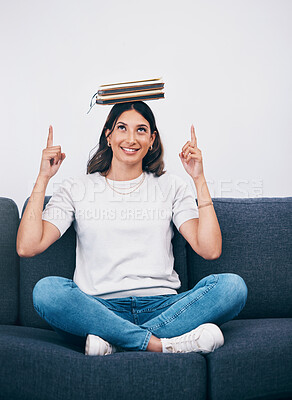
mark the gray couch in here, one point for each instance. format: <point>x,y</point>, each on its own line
<point>254,363</point>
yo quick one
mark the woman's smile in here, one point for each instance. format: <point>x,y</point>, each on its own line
<point>130,150</point>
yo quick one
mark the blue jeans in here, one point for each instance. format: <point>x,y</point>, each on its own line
<point>129,322</point>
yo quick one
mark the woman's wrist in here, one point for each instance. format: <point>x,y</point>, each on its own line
<point>203,194</point>
<point>200,183</point>
<point>41,183</point>
<point>199,180</point>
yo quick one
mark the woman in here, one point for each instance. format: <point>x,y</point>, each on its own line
<point>123,295</point>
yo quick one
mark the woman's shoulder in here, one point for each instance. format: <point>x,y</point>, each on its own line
<point>169,178</point>
<point>78,182</point>
<point>168,184</point>
<point>90,177</point>
<point>82,178</point>
<point>81,186</point>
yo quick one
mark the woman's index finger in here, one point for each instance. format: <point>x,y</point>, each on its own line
<point>193,136</point>
<point>50,137</point>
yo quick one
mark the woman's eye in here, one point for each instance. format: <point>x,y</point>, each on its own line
<point>141,128</point>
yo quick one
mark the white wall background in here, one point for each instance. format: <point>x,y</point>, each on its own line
<point>226,66</point>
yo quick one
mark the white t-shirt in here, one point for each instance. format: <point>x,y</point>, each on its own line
<point>123,241</point>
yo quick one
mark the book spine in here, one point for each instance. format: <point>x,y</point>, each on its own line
<point>115,101</point>
<point>130,89</point>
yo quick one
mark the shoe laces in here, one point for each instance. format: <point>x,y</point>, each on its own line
<point>108,348</point>
<point>185,344</point>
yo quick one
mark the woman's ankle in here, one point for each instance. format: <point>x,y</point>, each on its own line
<point>154,344</point>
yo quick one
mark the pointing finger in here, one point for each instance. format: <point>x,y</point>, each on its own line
<point>50,137</point>
<point>193,135</point>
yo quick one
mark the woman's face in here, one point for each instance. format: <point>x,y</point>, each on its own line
<point>131,138</point>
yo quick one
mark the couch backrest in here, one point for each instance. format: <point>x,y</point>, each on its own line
<point>257,239</point>
<point>60,260</point>
<point>9,262</point>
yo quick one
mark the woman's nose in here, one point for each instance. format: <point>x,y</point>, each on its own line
<point>131,137</point>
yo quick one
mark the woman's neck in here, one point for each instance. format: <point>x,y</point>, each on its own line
<point>124,172</point>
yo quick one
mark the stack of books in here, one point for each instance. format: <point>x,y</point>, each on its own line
<point>149,89</point>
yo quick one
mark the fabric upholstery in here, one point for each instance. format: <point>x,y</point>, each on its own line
<point>9,261</point>
<point>255,361</point>
<point>257,239</point>
<point>48,369</point>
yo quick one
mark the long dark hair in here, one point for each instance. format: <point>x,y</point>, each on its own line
<point>153,160</point>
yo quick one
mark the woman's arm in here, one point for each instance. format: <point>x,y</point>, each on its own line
<point>35,235</point>
<point>203,233</point>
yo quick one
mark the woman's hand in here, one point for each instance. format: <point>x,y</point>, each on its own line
<point>52,157</point>
<point>191,157</point>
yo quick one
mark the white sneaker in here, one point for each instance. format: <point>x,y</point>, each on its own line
<point>204,339</point>
<point>96,346</point>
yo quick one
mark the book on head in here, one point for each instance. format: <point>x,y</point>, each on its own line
<point>112,93</point>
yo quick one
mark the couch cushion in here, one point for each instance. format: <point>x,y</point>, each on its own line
<point>255,361</point>
<point>257,239</point>
<point>60,260</point>
<point>37,364</point>
<point>9,261</point>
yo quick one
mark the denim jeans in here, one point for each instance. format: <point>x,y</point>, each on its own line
<point>129,322</point>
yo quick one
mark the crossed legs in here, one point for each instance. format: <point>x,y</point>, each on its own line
<point>216,299</point>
